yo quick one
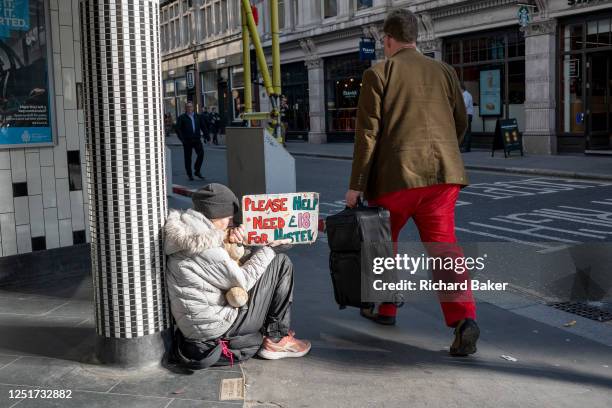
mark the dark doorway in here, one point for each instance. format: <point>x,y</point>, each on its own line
<point>599,102</point>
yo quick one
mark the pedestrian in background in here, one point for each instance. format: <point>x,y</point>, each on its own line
<point>205,124</point>
<point>215,122</point>
<point>189,132</point>
<point>466,146</point>
<point>411,119</point>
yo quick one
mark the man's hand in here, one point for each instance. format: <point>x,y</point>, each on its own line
<point>352,198</point>
<point>236,235</point>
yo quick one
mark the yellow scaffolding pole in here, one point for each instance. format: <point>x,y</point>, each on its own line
<point>276,73</point>
<point>272,85</point>
<point>246,58</point>
<point>261,58</point>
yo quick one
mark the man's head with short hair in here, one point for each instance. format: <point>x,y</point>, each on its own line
<point>189,107</point>
<point>401,29</point>
<point>463,86</point>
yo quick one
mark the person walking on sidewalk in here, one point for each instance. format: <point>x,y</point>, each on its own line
<point>204,124</point>
<point>410,122</point>
<point>466,146</point>
<point>189,132</point>
<point>200,272</point>
<point>215,122</point>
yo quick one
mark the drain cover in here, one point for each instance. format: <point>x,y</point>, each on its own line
<point>584,310</point>
<point>231,389</point>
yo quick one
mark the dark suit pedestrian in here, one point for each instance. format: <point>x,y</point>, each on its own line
<point>215,122</point>
<point>205,124</point>
<point>189,131</point>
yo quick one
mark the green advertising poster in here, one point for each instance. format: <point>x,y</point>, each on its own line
<point>490,92</point>
<point>25,104</point>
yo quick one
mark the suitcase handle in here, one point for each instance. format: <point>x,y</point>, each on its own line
<point>360,204</point>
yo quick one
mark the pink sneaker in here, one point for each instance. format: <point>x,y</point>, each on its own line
<point>288,346</point>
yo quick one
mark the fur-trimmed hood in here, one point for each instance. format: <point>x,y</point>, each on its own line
<point>191,232</point>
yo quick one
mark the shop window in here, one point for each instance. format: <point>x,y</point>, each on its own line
<point>572,101</point>
<point>598,33</point>
<point>181,85</point>
<point>571,37</point>
<point>469,56</point>
<point>209,89</point>
<point>452,53</point>
<point>343,83</point>
<point>516,82</point>
<point>295,104</point>
<point>603,33</point>
<point>237,92</point>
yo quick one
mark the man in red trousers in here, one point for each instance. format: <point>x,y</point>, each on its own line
<point>410,123</point>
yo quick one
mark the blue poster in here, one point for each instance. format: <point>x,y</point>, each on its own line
<point>490,92</point>
<point>25,104</point>
<point>14,15</point>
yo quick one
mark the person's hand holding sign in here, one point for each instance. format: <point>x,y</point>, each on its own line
<point>281,245</point>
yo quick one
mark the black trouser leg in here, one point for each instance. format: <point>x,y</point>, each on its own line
<point>467,140</point>
<point>269,306</point>
<point>200,156</point>
<point>215,137</point>
<point>187,155</point>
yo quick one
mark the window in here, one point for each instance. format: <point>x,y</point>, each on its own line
<point>504,50</point>
<point>225,14</point>
<point>294,78</point>
<point>210,28</point>
<point>362,4</point>
<point>281,14</point>
<point>342,85</point>
<point>235,5</point>
<point>186,30</point>
<point>217,8</point>
<point>330,8</point>
<point>237,92</point>
<point>295,13</point>
<point>209,89</point>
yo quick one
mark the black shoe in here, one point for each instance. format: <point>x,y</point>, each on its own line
<point>190,178</point>
<point>198,175</point>
<point>368,313</point>
<point>466,336</point>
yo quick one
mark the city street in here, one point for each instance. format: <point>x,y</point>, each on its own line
<point>355,363</point>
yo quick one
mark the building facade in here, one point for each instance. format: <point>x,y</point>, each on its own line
<point>43,183</point>
<point>546,63</point>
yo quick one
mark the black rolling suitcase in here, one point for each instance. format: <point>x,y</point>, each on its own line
<point>346,231</point>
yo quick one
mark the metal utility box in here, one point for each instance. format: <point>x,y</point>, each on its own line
<point>257,163</point>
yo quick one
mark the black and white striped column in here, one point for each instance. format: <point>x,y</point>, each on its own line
<point>125,166</point>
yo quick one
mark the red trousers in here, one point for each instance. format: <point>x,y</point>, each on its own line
<point>433,211</point>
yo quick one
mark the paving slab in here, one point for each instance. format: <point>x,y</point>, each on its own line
<point>201,385</point>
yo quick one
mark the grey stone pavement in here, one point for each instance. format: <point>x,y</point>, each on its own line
<point>47,336</point>
<point>355,363</point>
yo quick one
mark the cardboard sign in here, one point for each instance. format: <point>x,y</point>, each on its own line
<point>272,217</point>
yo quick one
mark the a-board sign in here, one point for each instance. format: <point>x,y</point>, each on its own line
<point>507,136</point>
<point>272,217</point>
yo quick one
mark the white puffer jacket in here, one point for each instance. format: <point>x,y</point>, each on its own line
<point>200,271</point>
